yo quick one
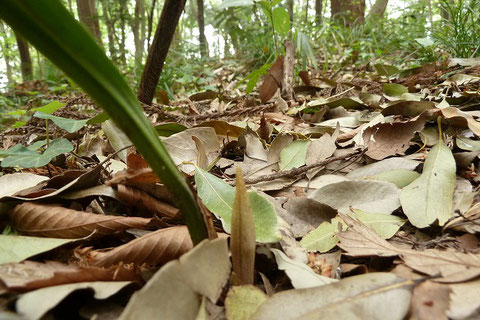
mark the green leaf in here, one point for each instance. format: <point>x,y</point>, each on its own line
<point>31,159</point>
<point>70,125</point>
<point>242,302</point>
<point>281,21</point>
<point>430,197</point>
<point>18,248</point>
<point>394,89</point>
<point>50,108</point>
<point>19,124</point>
<point>51,28</point>
<point>386,70</point>
<point>293,155</point>
<point>255,75</point>
<point>99,118</point>
<point>401,177</point>
<point>218,197</point>
<point>324,237</point>
<point>167,129</point>
<point>384,225</point>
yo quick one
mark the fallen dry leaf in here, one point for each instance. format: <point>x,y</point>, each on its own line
<point>57,222</point>
<point>272,80</point>
<point>31,275</point>
<point>448,265</point>
<point>157,247</point>
<point>146,204</point>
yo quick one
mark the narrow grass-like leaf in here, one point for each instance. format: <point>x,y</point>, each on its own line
<point>53,30</point>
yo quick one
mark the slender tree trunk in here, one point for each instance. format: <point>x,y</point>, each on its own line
<point>150,23</point>
<point>201,28</point>
<point>87,13</point>
<point>306,10</point>
<point>123,36</point>
<point>138,29</point>
<point>290,9</point>
<point>318,11</point>
<point>378,9</point>
<point>110,29</point>
<point>348,12</point>
<point>25,60</point>
<point>171,12</point>
<point>6,54</point>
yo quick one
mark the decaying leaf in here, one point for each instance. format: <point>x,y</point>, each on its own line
<point>145,203</point>
<point>174,291</point>
<point>58,222</point>
<point>430,196</point>
<point>272,80</point>
<point>242,243</point>
<point>31,275</point>
<point>358,297</point>
<point>242,302</point>
<point>157,247</point>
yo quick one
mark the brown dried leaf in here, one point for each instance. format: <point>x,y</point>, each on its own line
<point>451,266</point>
<point>462,118</point>
<point>143,201</point>
<point>31,275</point>
<point>272,80</point>
<point>305,76</point>
<point>57,222</point>
<point>388,139</point>
<point>242,243</point>
<point>157,247</point>
<point>202,159</point>
<point>430,300</point>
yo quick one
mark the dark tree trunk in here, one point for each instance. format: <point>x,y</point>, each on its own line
<point>25,60</point>
<point>318,11</point>
<point>150,23</point>
<point>123,35</point>
<point>348,12</point>
<point>201,28</point>
<point>171,12</point>
<point>306,10</point>
<point>87,13</point>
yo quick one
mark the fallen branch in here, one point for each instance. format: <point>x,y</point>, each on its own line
<point>295,172</point>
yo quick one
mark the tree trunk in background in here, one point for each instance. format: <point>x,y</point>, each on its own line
<point>25,60</point>
<point>87,13</point>
<point>6,54</point>
<point>378,9</point>
<point>318,11</point>
<point>348,12</point>
<point>445,14</point>
<point>110,29</point>
<point>150,23</point>
<point>290,9</point>
<point>171,12</point>
<point>306,10</point>
<point>123,17</point>
<point>138,29</point>
<point>201,28</point>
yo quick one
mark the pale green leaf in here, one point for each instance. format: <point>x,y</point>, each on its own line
<point>294,155</point>
<point>50,108</point>
<point>219,197</point>
<point>394,89</point>
<point>385,225</point>
<point>400,177</point>
<point>19,248</point>
<point>281,21</point>
<point>243,301</point>
<point>324,237</point>
<point>430,197</point>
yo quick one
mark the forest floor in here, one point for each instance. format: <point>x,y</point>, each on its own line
<point>363,191</point>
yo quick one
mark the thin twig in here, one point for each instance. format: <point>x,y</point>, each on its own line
<point>295,172</point>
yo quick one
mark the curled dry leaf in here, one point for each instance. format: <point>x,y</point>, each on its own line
<point>31,275</point>
<point>57,222</point>
<point>157,247</point>
<point>359,240</point>
<point>272,80</point>
<point>143,201</point>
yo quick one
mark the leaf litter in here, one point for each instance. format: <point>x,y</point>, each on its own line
<point>361,197</point>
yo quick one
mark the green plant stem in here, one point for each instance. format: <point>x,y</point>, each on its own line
<point>54,31</point>
<point>47,133</point>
